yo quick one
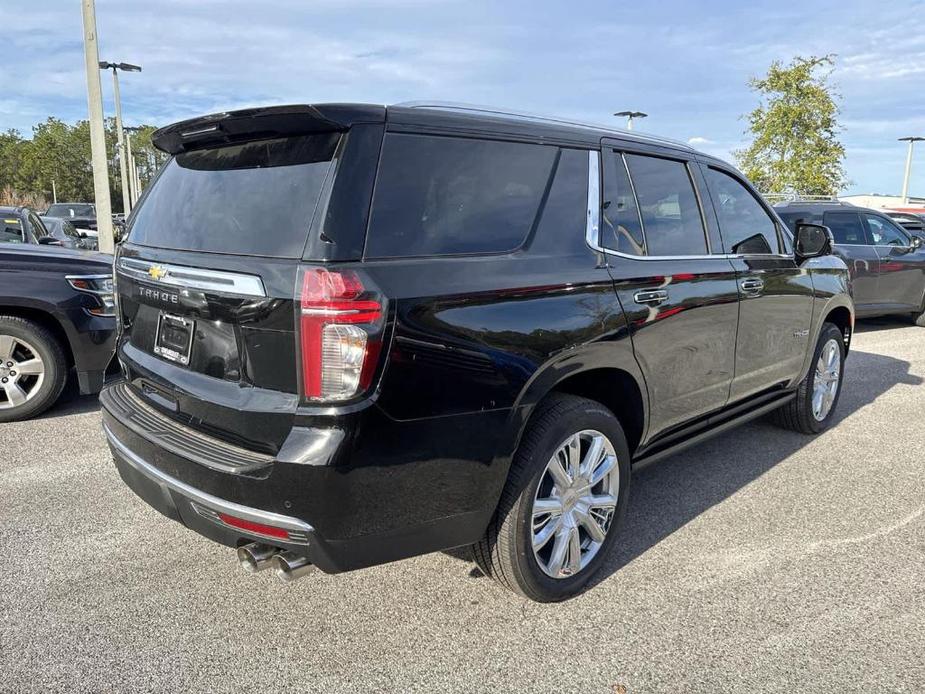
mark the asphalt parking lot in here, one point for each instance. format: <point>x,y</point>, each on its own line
<point>762,560</point>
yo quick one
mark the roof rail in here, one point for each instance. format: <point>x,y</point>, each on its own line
<point>533,117</point>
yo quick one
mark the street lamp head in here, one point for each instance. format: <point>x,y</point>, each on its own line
<point>125,67</point>
<point>631,114</point>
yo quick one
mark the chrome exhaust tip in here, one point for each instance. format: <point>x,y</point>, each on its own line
<point>289,566</point>
<point>256,557</point>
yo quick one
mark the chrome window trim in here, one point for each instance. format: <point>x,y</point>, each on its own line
<point>202,498</point>
<point>194,278</point>
<point>593,224</point>
<point>592,227</point>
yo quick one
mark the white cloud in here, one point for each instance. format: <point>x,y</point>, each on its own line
<point>698,141</point>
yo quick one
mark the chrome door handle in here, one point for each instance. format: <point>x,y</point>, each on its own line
<point>752,285</point>
<point>650,297</point>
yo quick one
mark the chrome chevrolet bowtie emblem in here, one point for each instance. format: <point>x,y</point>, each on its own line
<point>156,272</point>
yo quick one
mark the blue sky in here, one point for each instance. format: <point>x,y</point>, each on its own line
<point>685,63</point>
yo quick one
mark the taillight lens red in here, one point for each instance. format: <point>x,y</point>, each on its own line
<point>340,325</point>
<point>252,527</point>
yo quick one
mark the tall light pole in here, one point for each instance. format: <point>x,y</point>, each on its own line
<point>132,169</point>
<point>911,141</point>
<point>630,115</point>
<point>97,130</point>
<point>120,135</point>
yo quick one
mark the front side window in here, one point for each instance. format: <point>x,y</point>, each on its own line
<point>883,232</point>
<point>846,228</point>
<point>11,230</point>
<point>452,196</point>
<point>746,226</point>
<point>671,217</point>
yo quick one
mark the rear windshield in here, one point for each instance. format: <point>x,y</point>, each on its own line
<point>255,198</point>
<point>64,210</point>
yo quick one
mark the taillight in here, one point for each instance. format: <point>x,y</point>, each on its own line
<point>340,332</point>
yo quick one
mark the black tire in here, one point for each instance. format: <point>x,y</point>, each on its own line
<point>919,319</point>
<point>50,351</point>
<point>506,553</point>
<point>798,413</point>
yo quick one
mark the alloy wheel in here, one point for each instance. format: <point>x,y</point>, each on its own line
<point>826,379</point>
<point>575,504</point>
<point>22,372</point>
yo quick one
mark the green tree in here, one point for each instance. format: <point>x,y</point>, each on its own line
<point>795,146</point>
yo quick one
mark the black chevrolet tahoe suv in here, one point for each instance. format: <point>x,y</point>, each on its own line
<point>352,334</point>
<point>56,313</point>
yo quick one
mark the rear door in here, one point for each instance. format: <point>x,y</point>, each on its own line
<point>776,293</point>
<point>680,298</point>
<point>902,268</point>
<point>852,244</point>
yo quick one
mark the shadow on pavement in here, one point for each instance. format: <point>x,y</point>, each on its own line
<point>668,495</point>
<point>72,402</point>
<point>872,325</point>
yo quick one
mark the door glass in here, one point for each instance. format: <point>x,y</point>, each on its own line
<point>745,225</point>
<point>884,232</point>
<point>671,217</point>
<point>38,229</point>
<point>846,228</point>
<point>11,231</point>
<point>622,226</point>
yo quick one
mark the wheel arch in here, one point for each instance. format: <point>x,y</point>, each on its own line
<point>842,317</point>
<point>604,372</point>
<point>47,320</point>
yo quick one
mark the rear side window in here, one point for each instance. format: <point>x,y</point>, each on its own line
<point>668,205</point>
<point>450,196</point>
<point>745,225</point>
<point>254,198</point>
<point>622,226</point>
<point>846,228</point>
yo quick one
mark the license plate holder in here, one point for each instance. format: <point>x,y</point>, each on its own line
<point>174,338</point>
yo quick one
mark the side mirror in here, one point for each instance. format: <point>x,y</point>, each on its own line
<point>49,241</point>
<point>813,240</point>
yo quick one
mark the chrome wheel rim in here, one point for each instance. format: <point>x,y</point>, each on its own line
<point>826,379</point>
<point>574,505</point>
<point>22,372</point>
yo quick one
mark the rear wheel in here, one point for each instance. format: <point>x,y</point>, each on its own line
<point>563,502</point>
<point>812,409</point>
<point>33,368</point>
<point>919,319</point>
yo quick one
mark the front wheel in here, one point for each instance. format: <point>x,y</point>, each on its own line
<point>812,409</point>
<point>563,502</point>
<point>33,368</point>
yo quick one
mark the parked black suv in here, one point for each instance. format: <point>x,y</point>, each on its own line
<point>353,334</point>
<point>886,262</point>
<point>56,312</point>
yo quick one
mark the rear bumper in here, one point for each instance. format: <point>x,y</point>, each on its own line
<point>366,496</point>
<point>202,512</point>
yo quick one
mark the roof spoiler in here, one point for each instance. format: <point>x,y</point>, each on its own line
<point>262,123</point>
